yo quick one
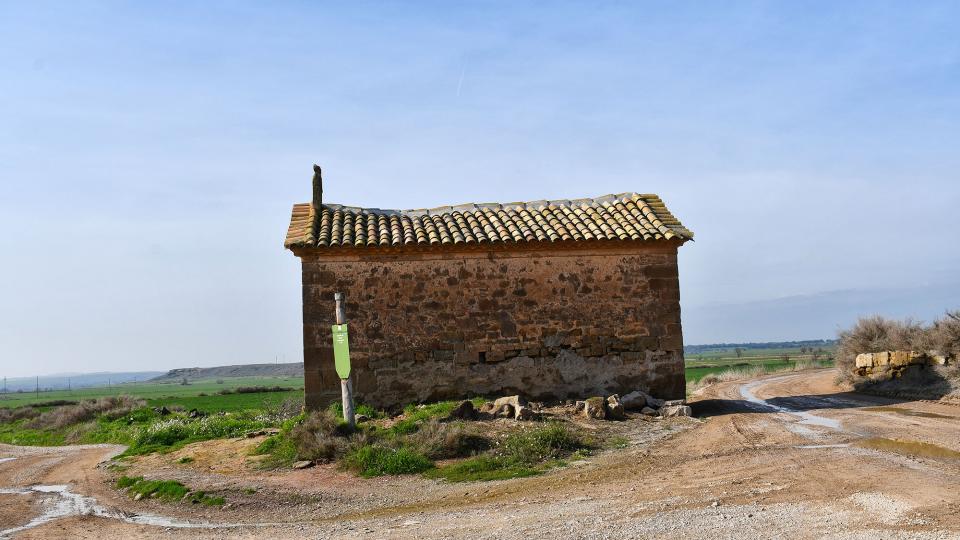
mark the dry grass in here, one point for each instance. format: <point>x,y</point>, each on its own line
<point>110,408</point>
<point>877,334</point>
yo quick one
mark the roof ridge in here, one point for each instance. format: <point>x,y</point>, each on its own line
<point>615,216</point>
<point>463,207</point>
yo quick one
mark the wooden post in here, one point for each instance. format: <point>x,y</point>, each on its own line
<point>346,387</point>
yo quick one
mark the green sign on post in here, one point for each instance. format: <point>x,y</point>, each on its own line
<point>341,350</point>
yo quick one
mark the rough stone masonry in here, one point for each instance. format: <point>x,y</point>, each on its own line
<point>547,299</point>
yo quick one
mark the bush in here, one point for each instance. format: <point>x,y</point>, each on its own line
<point>321,437</point>
<point>9,416</point>
<point>877,334</point>
<point>370,460</point>
<point>441,440</point>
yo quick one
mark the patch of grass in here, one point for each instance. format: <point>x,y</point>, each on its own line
<point>371,460</point>
<point>280,451</point>
<point>526,453</point>
<point>618,442</point>
<point>184,460</point>
<point>482,468</point>
<point>249,491</point>
<point>358,408</point>
<point>17,433</point>
<point>165,490</point>
<point>175,432</point>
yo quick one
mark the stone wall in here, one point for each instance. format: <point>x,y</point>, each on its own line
<point>558,323</point>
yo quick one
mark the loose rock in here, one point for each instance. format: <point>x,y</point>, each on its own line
<point>525,413</point>
<point>615,408</point>
<point>464,411</point>
<point>676,410</point>
<point>647,411</point>
<point>303,465</point>
<point>595,408</point>
<point>636,400</point>
<point>504,411</point>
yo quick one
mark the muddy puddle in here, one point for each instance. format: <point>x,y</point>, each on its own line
<point>58,501</point>
<point>909,412</point>
<point>908,448</point>
<point>805,417</point>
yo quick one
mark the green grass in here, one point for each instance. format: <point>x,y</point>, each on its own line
<point>696,370</point>
<point>483,468</point>
<point>159,394</point>
<point>16,434</point>
<point>521,454</point>
<point>372,460</point>
<point>165,490</point>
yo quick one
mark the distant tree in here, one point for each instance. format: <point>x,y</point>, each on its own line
<point>785,357</point>
<point>739,351</point>
<point>184,382</point>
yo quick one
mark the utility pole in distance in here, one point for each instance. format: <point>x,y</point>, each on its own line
<point>341,356</point>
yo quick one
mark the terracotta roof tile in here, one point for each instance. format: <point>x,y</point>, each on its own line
<point>627,216</point>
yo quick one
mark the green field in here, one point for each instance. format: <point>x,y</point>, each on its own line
<point>187,396</point>
<point>719,360</point>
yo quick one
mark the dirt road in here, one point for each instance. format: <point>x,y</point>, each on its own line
<point>786,456</point>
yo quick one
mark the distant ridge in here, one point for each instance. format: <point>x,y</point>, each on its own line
<point>224,372</point>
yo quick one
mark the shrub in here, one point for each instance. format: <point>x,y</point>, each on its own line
<point>9,416</point>
<point>442,440</point>
<point>320,437</point>
<point>877,334</point>
<point>372,460</point>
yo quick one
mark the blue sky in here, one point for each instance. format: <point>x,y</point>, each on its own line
<point>149,155</point>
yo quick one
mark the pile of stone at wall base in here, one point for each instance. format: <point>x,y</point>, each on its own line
<point>515,407</point>
<point>614,407</point>
<point>886,365</point>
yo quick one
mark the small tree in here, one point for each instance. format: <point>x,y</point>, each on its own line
<point>739,352</point>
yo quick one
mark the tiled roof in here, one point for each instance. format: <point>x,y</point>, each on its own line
<point>627,216</point>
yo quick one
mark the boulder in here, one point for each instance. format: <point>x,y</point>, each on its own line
<point>647,411</point>
<point>579,406</point>
<point>673,402</point>
<point>487,408</point>
<point>654,403</point>
<point>514,401</point>
<point>303,465</point>
<point>676,410</point>
<point>636,400</point>
<point>525,413</point>
<point>504,411</point>
<point>596,408</point>
<point>464,411</point>
<point>615,409</point>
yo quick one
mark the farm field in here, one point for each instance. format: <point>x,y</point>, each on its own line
<point>200,394</point>
<point>703,363</point>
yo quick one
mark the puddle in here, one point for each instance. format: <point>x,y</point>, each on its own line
<point>64,504</point>
<point>908,448</point>
<point>909,412</point>
<point>805,417</point>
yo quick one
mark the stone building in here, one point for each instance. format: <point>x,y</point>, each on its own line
<point>549,299</point>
